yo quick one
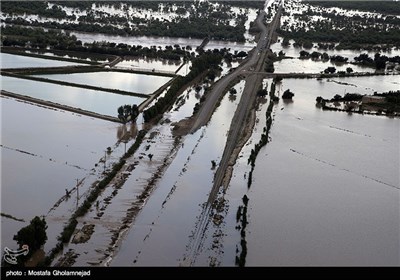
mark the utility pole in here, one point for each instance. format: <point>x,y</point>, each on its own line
<point>105,158</point>
<point>77,188</point>
<point>77,193</point>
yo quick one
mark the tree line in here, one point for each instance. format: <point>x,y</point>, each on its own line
<point>57,40</point>
<point>378,61</point>
<point>390,106</point>
<point>204,20</point>
<point>385,7</point>
<point>353,32</point>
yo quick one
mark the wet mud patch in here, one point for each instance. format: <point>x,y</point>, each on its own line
<point>182,127</point>
<point>68,259</point>
<point>83,235</point>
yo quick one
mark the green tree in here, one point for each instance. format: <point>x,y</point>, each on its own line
<point>304,54</point>
<point>316,55</point>
<point>330,70</point>
<point>34,235</point>
<point>349,70</point>
<point>287,94</point>
<point>232,91</point>
<point>127,110</point>
<point>121,113</point>
<point>325,56</point>
<point>285,42</point>
<point>134,112</point>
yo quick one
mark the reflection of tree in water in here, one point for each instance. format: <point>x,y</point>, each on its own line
<point>136,61</point>
<point>126,132</point>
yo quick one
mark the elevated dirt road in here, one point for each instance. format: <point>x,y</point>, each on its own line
<point>217,91</point>
<point>255,63</point>
<point>247,101</point>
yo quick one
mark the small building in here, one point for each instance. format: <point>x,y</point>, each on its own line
<point>372,99</point>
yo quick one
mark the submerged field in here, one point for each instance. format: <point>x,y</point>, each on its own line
<point>327,182</point>
<point>43,152</point>
<point>324,190</point>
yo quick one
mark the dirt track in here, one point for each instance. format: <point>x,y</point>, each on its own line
<point>247,101</point>
<point>254,64</point>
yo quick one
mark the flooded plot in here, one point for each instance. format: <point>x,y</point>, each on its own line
<point>233,46</point>
<point>350,54</point>
<point>43,152</point>
<point>82,56</point>
<point>149,64</point>
<point>310,66</point>
<point>147,41</point>
<point>105,103</point>
<point>326,188</point>
<point>137,83</point>
<point>19,61</point>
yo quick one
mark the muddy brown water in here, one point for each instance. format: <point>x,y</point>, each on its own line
<point>326,188</point>
<point>43,152</point>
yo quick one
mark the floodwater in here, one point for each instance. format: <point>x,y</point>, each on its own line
<point>148,41</point>
<point>101,102</point>
<point>292,51</point>
<point>164,227</point>
<point>326,188</point>
<point>87,57</point>
<point>298,7</point>
<point>149,64</point>
<point>137,83</point>
<point>43,152</point>
<point>19,61</point>
<point>310,66</point>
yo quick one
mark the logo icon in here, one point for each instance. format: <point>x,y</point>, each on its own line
<point>10,256</point>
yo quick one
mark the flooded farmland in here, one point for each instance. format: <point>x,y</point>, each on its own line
<point>96,101</point>
<point>216,167</point>
<point>137,83</point>
<point>163,229</point>
<point>310,66</point>
<point>18,61</point>
<point>150,64</point>
<point>326,189</point>
<point>147,41</point>
<point>43,152</point>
